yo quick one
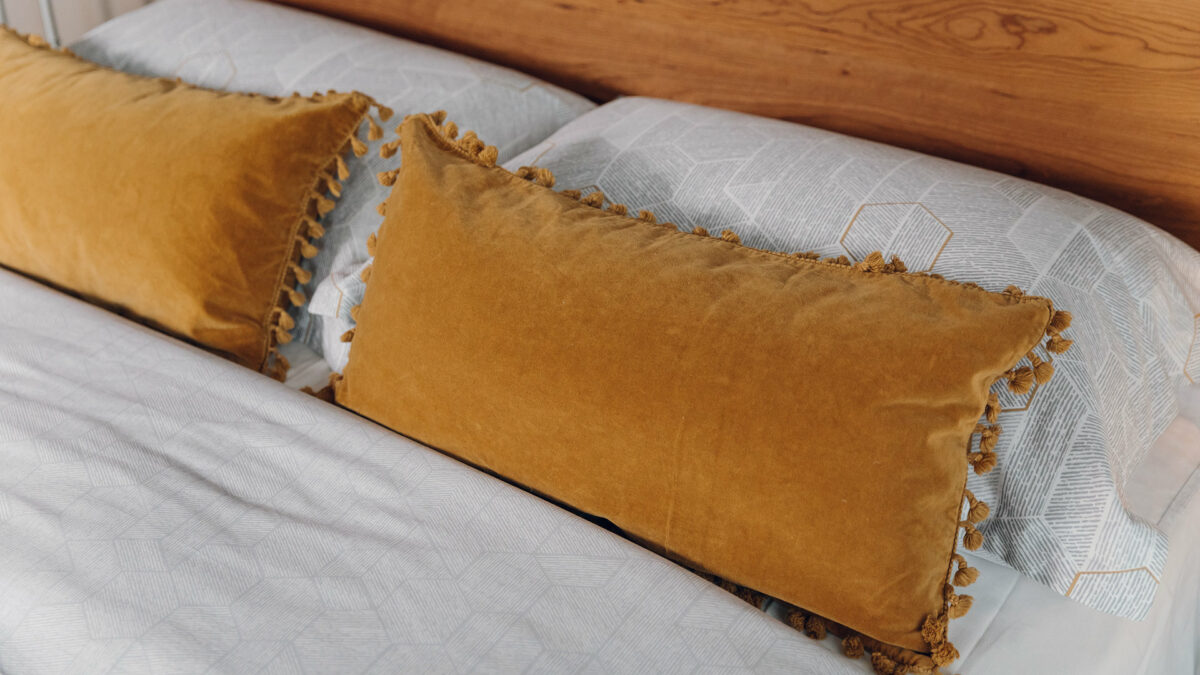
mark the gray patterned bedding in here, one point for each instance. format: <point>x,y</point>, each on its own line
<point>163,510</point>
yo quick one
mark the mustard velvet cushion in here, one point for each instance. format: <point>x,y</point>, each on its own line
<point>181,207</point>
<point>795,426</point>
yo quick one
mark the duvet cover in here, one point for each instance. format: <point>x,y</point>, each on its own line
<point>164,510</point>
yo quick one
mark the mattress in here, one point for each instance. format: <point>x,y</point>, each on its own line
<point>165,510</point>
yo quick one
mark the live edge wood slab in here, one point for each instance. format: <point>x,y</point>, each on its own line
<point>1100,97</point>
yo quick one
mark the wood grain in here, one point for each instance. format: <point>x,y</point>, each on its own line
<point>1100,97</point>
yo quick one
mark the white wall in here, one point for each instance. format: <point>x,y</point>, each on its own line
<point>74,17</point>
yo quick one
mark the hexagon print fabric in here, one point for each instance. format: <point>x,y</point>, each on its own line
<point>1067,450</point>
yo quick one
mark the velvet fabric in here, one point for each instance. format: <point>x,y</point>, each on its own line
<point>798,427</point>
<point>181,207</point>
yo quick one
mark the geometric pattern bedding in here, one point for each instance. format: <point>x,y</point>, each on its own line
<point>267,48</point>
<point>164,510</point>
<point>1056,496</point>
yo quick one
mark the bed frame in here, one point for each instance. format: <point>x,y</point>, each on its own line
<point>1100,97</point>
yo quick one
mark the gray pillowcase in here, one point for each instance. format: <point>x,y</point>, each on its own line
<point>1066,452</point>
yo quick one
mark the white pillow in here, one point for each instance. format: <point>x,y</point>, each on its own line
<point>1057,496</point>
<point>261,47</point>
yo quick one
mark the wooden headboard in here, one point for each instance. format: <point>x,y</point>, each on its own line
<point>1101,97</point>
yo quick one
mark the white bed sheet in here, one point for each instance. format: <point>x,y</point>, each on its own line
<point>307,368</point>
<point>162,509</point>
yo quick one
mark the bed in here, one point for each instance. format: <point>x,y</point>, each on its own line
<point>166,509</point>
<point>192,516</point>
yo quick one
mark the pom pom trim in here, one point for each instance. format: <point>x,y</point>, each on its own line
<point>319,203</point>
<point>885,658</point>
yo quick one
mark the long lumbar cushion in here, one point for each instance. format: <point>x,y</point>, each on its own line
<point>795,426</point>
